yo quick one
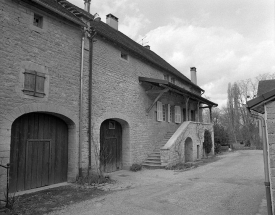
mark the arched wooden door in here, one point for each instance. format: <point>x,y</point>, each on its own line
<point>39,151</point>
<point>110,146</point>
<point>188,150</point>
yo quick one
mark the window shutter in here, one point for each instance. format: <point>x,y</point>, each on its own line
<point>29,82</point>
<point>159,111</point>
<point>40,80</point>
<point>168,113</point>
<point>177,114</point>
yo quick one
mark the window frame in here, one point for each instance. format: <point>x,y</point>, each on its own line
<point>177,114</point>
<point>40,19</point>
<point>159,111</point>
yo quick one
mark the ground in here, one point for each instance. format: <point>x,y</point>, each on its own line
<point>231,185</point>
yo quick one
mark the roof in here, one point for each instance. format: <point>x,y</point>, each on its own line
<point>177,89</point>
<point>265,86</point>
<point>56,7</point>
<point>127,43</point>
<point>257,104</point>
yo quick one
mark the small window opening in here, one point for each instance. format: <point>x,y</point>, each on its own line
<point>38,21</point>
<point>173,80</point>
<point>112,125</point>
<point>164,112</point>
<point>124,56</point>
<point>166,77</point>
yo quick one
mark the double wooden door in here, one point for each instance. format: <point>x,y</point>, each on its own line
<point>110,146</point>
<point>39,151</point>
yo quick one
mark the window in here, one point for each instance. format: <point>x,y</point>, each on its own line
<point>112,125</point>
<point>177,114</point>
<point>164,113</point>
<point>34,83</point>
<point>173,80</point>
<point>159,112</point>
<point>172,113</point>
<point>184,114</point>
<point>166,77</point>
<point>124,56</point>
<point>38,21</point>
<point>193,116</point>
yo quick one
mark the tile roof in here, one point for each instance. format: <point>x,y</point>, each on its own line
<point>127,43</point>
<point>265,86</point>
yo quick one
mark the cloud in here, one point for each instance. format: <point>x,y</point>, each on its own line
<point>221,55</point>
<point>132,25</point>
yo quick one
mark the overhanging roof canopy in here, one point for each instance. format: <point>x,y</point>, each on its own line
<point>257,104</point>
<point>172,87</point>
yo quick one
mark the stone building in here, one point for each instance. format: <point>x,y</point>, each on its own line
<point>264,106</point>
<point>69,106</point>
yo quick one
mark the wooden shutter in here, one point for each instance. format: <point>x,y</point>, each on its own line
<point>159,111</point>
<point>40,81</point>
<point>177,114</point>
<point>29,82</point>
<point>168,113</point>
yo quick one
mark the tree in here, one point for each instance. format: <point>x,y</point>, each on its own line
<point>207,144</point>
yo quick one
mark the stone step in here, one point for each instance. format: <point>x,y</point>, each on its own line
<point>153,166</point>
<point>153,162</point>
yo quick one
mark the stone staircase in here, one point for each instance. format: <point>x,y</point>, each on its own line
<point>153,160</point>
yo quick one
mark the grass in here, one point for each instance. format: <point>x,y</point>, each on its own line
<point>53,199</point>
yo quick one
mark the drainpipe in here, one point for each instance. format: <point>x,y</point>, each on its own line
<point>81,108</point>
<point>266,170</point>
<point>92,34</point>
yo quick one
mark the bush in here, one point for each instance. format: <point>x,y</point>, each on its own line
<point>207,144</point>
<point>217,148</point>
<point>136,167</point>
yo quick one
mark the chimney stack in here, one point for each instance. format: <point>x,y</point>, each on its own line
<point>193,73</point>
<point>147,47</point>
<point>112,21</point>
<point>87,5</point>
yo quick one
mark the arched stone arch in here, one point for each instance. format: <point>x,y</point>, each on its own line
<point>8,117</point>
<point>124,121</point>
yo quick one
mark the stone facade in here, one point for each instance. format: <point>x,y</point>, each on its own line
<point>55,51</point>
<point>270,125</point>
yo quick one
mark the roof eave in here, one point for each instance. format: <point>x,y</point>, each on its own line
<point>76,21</point>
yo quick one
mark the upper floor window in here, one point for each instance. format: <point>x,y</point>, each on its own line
<point>173,80</point>
<point>34,83</point>
<point>164,112</point>
<point>124,56</point>
<point>166,77</point>
<point>38,20</point>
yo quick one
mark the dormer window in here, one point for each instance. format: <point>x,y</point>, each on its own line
<point>38,21</point>
<point>124,56</point>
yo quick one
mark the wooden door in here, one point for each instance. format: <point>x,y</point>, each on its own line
<point>39,151</point>
<point>110,146</point>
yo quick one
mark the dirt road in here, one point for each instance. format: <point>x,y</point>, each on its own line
<point>232,185</point>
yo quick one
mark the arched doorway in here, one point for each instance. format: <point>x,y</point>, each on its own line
<point>110,146</point>
<point>39,151</point>
<point>188,150</point>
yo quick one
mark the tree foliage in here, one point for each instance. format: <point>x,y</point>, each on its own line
<point>207,144</point>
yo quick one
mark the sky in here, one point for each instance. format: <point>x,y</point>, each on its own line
<point>226,40</point>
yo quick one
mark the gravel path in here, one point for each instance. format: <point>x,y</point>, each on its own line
<point>231,185</point>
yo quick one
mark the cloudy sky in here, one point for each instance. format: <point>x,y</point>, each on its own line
<point>226,40</point>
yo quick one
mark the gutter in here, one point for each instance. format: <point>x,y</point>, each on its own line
<point>266,169</point>
<point>81,108</point>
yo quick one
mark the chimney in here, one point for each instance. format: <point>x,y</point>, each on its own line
<point>193,73</point>
<point>147,47</point>
<point>112,21</point>
<point>87,4</point>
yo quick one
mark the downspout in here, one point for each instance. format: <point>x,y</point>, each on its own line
<point>81,108</point>
<point>92,34</point>
<point>266,170</point>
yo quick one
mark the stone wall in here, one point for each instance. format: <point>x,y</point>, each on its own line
<point>54,50</point>
<point>270,120</point>
<point>117,94</point>
<point>174,150</point>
